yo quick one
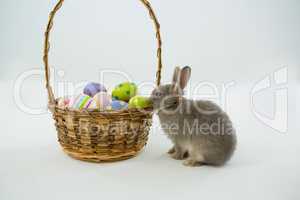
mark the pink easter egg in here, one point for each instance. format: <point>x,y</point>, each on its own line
<point>63,102</point>
<point>73,100</point>
<point>66,101</point>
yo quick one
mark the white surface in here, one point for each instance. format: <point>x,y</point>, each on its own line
<point>265,166</point>
<point>223,41</point>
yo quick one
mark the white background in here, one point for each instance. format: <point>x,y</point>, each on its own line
<point>242,41</point>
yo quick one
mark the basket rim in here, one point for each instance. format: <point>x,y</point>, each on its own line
<point>130,111</point>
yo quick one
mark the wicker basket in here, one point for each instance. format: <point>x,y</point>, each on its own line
<point>100,136</point>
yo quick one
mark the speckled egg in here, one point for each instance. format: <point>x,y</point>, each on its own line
<point>124,91</point>
<point>91,89</point>
<point>139,102</point>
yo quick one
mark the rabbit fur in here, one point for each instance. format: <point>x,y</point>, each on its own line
<point>202,133</point>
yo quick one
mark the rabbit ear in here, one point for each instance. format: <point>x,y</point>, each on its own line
<point>185,75</point>
<point>176,75</point>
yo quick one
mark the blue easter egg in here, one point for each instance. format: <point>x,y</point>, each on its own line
<point>118,105</point>
<point>92,89</point>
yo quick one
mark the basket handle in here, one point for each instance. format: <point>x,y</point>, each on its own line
<point>47,46</point>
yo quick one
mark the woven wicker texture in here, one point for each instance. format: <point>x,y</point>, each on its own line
<point>101,136</point>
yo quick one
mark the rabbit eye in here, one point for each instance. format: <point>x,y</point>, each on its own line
<point>158,94</point>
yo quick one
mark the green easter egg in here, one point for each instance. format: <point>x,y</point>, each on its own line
<point>139,102</point>
<point>124,91</point>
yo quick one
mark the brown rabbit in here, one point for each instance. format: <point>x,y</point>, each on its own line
<point>201,132</point>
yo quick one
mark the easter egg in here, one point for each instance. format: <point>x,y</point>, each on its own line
<point>63,102</point>
<point>139,102</point>
<point>101,101</point>
<point>93,88</point>
<point>81,101</point>
<point>124,91</point>
<point>71,101</point>
<point>118,105</point>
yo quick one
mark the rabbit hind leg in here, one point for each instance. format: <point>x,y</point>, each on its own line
<point>195,159</point>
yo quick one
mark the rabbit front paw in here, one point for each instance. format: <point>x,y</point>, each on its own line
<point>171,151</point>
<point>178,154</point>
